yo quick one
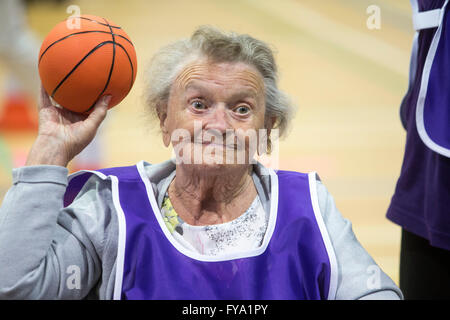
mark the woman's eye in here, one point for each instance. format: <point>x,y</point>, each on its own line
<point>198,105</point>
<point>242,110</point>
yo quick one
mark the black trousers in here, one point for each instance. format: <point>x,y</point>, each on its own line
<point>424,270</point>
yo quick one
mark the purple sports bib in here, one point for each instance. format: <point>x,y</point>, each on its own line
<point>433,103</point>
<point>295,261</point>
<point>421,200</point>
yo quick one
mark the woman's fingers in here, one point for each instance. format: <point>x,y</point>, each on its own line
<point>99,112</point>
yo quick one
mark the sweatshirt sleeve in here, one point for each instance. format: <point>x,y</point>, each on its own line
<point>359,277</point>
<point>47,251</point>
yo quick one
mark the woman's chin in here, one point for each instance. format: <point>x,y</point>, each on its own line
<point>211,164</point>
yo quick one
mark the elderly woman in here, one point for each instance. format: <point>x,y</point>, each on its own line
<point>210,224</point>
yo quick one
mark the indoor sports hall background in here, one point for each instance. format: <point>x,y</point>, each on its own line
<point>344,63</point>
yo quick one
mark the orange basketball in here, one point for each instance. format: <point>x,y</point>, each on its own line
<point>85,59</point>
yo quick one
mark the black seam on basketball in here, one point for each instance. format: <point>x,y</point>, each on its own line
<point>81,32</point>
<point>84,18</point>
<point>131,64</point>
<point>77,65</point>
<point>110,69</point>
<point>128,56</point>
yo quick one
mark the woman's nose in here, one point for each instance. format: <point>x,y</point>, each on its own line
<point>218,119</point>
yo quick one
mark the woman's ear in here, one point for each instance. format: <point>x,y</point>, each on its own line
<point>162,115</point>
<point>270,124</point>
<point>265,144</point>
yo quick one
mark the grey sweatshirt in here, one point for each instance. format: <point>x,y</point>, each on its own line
<point>51,252</point>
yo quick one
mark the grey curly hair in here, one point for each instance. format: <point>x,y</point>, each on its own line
<point>217,46</point>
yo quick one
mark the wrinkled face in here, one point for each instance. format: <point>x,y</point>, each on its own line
<point>215,113</point>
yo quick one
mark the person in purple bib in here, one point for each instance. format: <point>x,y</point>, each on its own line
<point>211,223</point>
<point>421,201</point>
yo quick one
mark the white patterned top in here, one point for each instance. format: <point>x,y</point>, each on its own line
<point>241,234</point>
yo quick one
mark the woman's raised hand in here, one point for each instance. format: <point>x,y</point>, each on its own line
<point>62,133</point>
